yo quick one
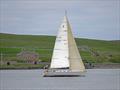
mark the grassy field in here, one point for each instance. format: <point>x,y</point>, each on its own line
<point>95,51</point>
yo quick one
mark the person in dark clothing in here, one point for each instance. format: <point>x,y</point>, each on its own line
<point>8,63</point>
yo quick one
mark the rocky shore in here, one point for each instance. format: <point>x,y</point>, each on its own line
<point>87,65</point>
<point>107,66</point>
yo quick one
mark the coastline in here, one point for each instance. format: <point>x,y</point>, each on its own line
<point>107,66</point>
<point>94,66</point>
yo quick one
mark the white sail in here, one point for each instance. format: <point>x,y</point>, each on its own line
<point>76,64</point>
<point>66,53</point>
<point>60,53</point>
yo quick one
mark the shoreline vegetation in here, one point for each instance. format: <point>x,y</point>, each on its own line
<point>35,51</point>
<point>40,66</point>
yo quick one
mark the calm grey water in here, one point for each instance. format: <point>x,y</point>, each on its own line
<point>95,79</point>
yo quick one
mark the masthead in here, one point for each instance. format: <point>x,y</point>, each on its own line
<point>65,12</point>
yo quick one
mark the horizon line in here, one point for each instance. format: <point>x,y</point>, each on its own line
<point>55,36</point>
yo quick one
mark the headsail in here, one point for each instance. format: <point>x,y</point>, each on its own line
<point>75,59</point>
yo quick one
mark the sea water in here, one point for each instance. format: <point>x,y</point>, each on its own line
<point>95,79</point>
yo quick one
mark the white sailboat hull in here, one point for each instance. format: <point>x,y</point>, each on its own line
<point>63,73</point>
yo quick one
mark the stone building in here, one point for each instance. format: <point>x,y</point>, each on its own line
<point>28,57</point>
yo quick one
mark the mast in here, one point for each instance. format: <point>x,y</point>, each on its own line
<point>66,13</point>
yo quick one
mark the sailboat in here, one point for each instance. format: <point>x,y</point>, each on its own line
<point>66,60</point>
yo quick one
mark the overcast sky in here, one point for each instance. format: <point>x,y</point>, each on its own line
<point>93,19</point>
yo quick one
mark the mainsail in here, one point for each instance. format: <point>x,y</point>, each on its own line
<point>66,53</point>
<point>60,53</point>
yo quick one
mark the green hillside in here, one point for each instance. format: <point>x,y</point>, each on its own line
<point>95,51</point>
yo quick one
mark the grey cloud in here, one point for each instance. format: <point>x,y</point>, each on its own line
<point>89,18</point>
